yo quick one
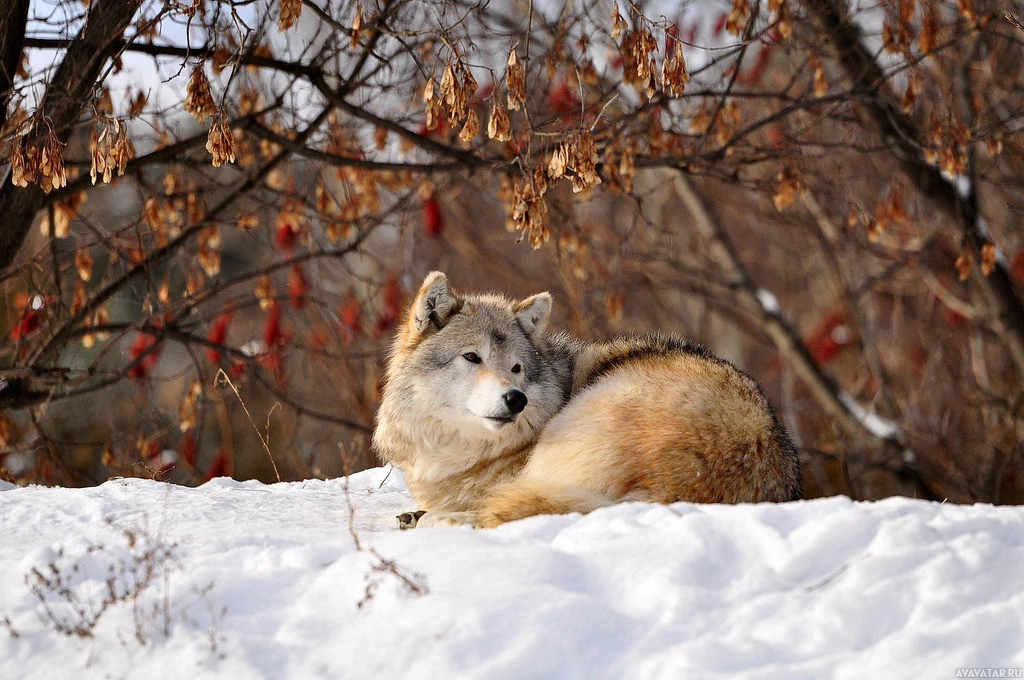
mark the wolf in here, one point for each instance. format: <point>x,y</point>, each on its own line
<point>493,419</point>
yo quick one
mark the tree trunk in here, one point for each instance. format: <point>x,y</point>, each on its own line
<point>13,19</point>
<point>66,96</point>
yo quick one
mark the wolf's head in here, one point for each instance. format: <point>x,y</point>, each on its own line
<point>474,367</point>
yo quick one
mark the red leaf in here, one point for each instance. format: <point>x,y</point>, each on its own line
<point>918,356</point>
<point>351,317</point>
<point>287,234</point>
<point>28,325</point>
<point>297,286</point>
<point>272,326</point>
<point>145,353</point>
<point>218,332</point>
<point>1017,265</point>
<point>153,449</point>
<point>273,361</point>
<point>482,94</point>
<point>720,24</point>
<point>829,337</point>
<point>433,222</point>
<point>439,131</point>
<point>670,37</point>
<point>755,74</point>
<point>776,137</point>
<point>391,295</point>
<point>189,448</point>
<point>392,298</point>
<point>953,318</point>
<point>562,98</point>
<point>218,468</point>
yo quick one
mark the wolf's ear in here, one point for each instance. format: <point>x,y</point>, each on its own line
<point>435,304</point>
<point>534,311</point>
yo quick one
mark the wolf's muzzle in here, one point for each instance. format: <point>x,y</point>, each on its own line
<point>515,401</point>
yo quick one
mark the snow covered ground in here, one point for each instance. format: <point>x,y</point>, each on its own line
<point>267,581</point>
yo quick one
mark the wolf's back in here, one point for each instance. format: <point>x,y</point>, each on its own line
<point>657,418</point>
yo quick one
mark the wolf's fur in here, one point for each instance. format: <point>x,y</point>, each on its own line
<point>649,418</point>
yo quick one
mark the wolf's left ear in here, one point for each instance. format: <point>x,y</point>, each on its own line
<point>534,311</point>
<point>435,304</point>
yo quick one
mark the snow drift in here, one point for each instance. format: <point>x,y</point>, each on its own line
<point>303,580</point>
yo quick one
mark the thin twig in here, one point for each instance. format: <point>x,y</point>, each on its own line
<point>222,378</point>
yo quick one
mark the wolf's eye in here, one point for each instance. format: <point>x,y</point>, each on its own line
<point>471,357</point>
<point>517,369</point>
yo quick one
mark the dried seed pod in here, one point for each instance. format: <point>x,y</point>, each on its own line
<point>220,143</point>
<point>618,23</point>
<point>988,258</point>
<point>432,105</point>
<point>471,128</point>
<point>357,27</point>
<point>290,12</point>
<point>738,16</point>
<point>264,292</point>
<point>199,99</point>
<point>209,250</point>
<point>791,187</point>
<point>515,82</point>
<point>83,264</point>
<point>964,265</point>
<point>674,75</point>
<point>499,127</point>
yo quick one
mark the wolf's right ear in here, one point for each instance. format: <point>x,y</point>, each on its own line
<point>434,306</point>
<point>534,312</point>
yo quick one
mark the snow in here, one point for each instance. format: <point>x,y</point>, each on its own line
<point>883,428</point>
<point>962,185</point>
<point>769,303</point>
<point>270,584</point>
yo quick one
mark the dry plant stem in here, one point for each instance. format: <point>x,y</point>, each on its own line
<point>382,565</point>
<point>222,378</point>
<point>346,469</point>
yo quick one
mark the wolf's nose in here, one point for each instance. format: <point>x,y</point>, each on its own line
<point>515,401</point>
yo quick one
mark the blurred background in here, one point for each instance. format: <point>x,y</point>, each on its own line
<point>217,212</point>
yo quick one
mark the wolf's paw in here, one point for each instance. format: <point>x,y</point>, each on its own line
<point>443,519</point>
<point>408,520</point>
